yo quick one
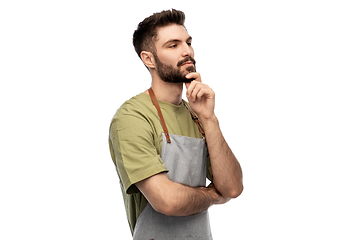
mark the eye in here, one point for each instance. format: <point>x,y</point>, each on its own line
<point>189,43</point>
<point>173,46</point>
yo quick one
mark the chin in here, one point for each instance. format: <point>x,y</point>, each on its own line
<point>191,69</point>
<point>187,80</point>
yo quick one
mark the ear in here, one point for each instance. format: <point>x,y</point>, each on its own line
<point>148,59</point>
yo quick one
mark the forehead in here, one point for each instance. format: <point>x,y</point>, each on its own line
<point>167,33</point>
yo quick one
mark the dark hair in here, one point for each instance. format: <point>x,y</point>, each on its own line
<point>146,32</point>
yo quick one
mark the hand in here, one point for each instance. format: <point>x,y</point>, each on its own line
<point>201,97</point>
<point>216,195</point>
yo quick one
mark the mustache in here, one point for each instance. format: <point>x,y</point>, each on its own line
<point>187,59</point>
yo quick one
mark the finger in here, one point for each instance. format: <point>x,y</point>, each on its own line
<point>191,88</point>
<point>200,94</point>
<point>202,90</point>
<point>194,75</point>
<point>196,92</point>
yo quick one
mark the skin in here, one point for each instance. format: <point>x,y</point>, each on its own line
<point>172,46</point>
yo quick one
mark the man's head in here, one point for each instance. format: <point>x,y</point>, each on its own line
<point>164,45</point>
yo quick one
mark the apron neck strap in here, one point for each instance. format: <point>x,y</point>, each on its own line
<point>196,119</point>
<point>156,104</point>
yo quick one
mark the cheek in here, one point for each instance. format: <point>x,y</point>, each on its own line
<point>168,58</point>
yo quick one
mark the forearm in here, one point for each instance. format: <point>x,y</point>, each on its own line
<point>227,172</point>
<point>174,199</point>
<point>185,200</point>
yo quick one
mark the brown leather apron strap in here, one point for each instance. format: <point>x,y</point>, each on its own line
<point>196,119</point>
<point>156,104</point>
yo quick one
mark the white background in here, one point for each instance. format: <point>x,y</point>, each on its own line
<point>286,75</point>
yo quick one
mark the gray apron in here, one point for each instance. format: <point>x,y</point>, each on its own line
<point>186,160</point>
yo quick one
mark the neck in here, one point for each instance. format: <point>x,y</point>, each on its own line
<point>167,92</point>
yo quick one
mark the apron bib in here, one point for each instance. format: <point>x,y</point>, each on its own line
<point>186,160</point>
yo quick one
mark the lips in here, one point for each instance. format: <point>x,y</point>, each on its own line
<point>188,60</point>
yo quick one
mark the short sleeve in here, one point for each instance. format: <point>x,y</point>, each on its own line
<point>133,150</point>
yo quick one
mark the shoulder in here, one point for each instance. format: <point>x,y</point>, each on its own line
<point>136,111</point>
<point>138,106</point>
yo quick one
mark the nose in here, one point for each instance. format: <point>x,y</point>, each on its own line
<point>187,50</point>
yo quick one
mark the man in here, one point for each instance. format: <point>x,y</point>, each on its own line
<point>164,148</point>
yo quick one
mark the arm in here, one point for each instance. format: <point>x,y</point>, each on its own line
<point>227,173</point>
<point>174,199</point>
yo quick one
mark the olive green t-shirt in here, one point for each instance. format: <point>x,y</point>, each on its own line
<point>135,142</point>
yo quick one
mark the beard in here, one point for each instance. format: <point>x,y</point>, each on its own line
<point>172,74</point>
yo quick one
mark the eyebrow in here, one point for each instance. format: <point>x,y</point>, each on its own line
<point>176,41</point>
